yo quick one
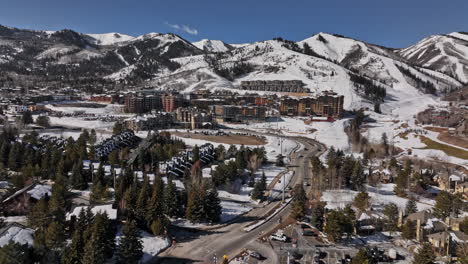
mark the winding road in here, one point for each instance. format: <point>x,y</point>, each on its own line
<point>200,246</point>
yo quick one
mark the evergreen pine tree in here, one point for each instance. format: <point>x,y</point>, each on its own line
<point>92,137</point>
<point>195,210</point>
<point>55,236</point>
<point>74,252</point>
<point>172,202</point>
<point>358,178</point>
<point>27,117</point>
<point>130,249</point>
<point>196,153</point>
<point>142,200</point>
<point>425,255</point>
<point>362,201</point>
<point>58,202</point>
<point>333,226</point>
<point>299,202</point>
<point>391,214</point>
<point>15,253</point>
<point>362,257</point>
<point>317,216</point>
<point>263,181</point>
<point>257,193</point>
<point>100,245</point>
<point>408,230</point>
<point>213,206</point>
<point>78,180</point>
<point>4,153</point>
<point>155,205</point>
<point>446,205</point>
<point>411,207</point>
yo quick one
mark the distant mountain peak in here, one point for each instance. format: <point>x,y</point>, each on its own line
<point>209,45</point>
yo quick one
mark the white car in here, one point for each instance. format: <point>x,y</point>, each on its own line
<point>278,237</point>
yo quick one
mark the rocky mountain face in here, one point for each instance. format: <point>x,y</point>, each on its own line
<point>364,73</point>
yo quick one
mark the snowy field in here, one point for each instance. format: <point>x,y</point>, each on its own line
<point>109,109</point>
<point>329,133</point>
<point>379,196</point>
<point>231,210</point>
<point>397,126</point>
<point>76,122</point>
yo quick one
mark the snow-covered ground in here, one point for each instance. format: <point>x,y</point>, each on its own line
<point>401,121</point>
<point>329,133</point>
<point>152,245</point>
<point>231,210</point>
<point>379,196</point>
<point>76,122</point>
<point>107,109</point>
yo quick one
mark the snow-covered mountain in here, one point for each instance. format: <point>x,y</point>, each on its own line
<point>212,45</point>
<point>444,53</point>
<point>365,73</point>
<point>110,38</point>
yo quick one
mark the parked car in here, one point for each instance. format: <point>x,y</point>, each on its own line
<point>255,255</point>
<point>279,236</point>
<point>276,237</point>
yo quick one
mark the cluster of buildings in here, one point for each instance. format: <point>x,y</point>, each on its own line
<point>284,86</point>
<point>144,102</point>
<point>328,104</point>
<point>124,139</point>
<point>238,113</point>
<point>19,104</point>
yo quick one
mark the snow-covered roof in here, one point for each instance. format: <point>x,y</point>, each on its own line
<point>40,191</point>
<point>17,233</point>
<point>4,184</point>
<point>206,173</point>
<point>455,178</point>
<point>107,208</point>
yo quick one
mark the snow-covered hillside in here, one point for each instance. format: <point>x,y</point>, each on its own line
<point>444,53</point>
<point>322,62</point>
<point>273,61</point>
<point>110,38</point>
<point>212,45</point>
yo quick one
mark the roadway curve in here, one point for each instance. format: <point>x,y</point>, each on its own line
<point>200,247</point>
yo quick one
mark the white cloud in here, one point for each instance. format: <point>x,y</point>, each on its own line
<point>184,28</point>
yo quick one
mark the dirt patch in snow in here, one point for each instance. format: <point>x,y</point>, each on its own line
<point>449,150</point>
<point>445,136</point>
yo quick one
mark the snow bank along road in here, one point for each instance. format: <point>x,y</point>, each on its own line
<point>200,247</point>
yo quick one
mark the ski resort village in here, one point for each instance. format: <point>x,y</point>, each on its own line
<point>154,149</point>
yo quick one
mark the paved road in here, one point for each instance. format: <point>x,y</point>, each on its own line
<point>200,247</point>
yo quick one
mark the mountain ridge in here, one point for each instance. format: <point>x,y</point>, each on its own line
<point>324,61</point>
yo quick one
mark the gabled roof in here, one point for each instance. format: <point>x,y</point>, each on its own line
<point>17,233</point>
<point>421,215</point>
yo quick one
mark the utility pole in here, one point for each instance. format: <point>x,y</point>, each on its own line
<point>284,185</point>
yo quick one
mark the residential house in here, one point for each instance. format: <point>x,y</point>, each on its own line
<point>22,201</point>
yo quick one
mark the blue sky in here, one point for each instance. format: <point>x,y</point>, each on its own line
<point>395,23</point>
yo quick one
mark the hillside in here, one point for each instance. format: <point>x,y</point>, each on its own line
<point>444,53</point>
<point>212,45</point>
<point>366,74</point>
